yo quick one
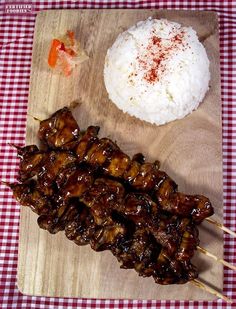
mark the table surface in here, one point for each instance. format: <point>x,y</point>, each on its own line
<point>16,38</point>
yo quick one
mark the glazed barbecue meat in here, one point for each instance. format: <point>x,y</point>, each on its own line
<point>58,171</point>
<point>143,253</point>
<point>59,130</point>
<point>133,244</point>
<point>104,196</point>
<point>46,165</point>
<point>30,161</point>
<point>82,227</point>
<point>53,163</point>
<point>99,196</point>
<point>146,177</point>
<point>29,194</point>
<point>107,157</point>
<point>96,211</point>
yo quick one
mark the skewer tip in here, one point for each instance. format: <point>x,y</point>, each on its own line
<point>210,290</point>
<point>5,183</point>
<point>74,104</point>
<point>221,226</point>
<point>13,145</point>
<point>35,118</point>
<point>216,258</point>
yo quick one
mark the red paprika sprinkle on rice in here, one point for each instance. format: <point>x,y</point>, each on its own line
<point>158,50</point>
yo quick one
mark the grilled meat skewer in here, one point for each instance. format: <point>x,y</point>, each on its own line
<point>71,181</point>
<point>69,174</point>
<point>61,131</point>
<point>98,195</point>
<point>131,242</point>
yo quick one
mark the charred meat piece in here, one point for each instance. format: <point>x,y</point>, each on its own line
<point>53,164</point>
<point>146,256</point>
<point>107,236</point>
<point>78,181</point>
<point>198,207</point>
<point>28,194</point>
<point>82,228</point>
<point>103,198</point>
<point>73,217</point>
<point>30,161</point>
<point>99,152</point>
<point>139,207</point>
<point>171,271</point>
<point>57,220</point>
<point>178,237</point>
<point>142,177</point>
<point>138,250</point>
<point>88,138</point>
<point>58,130</point>
<point>188,244</point>
<point>170,232</point>
<point>117,165</point>
<point>45,165</point>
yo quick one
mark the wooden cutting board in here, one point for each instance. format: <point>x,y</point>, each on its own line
<point>189,151</point>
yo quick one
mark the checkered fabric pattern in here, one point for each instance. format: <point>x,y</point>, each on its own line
<point>16,38</point>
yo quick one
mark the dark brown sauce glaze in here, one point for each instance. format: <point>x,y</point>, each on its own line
<point>98,195</point>
<point>61,128</point>
<point>105,155</point>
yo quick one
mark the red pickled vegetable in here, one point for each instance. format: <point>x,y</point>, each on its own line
<point>53,53</point>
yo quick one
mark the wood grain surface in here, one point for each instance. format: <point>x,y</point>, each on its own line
<point>189,151</point>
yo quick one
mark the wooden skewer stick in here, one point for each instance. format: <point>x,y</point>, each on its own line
<point>221,226</point>
<point>4,183</point>
<point>204,251</point>
<point>35,118</point>
<point>14,146</point>
<point>7,184</point>
<point>208,289</point>
<point>74,104</point>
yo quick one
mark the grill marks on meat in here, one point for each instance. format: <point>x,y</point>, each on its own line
<point>89,188</point>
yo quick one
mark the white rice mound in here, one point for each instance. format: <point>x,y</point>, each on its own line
<point>157,71</point>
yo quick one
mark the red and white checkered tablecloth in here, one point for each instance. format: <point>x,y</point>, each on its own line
<point>16,38</point>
